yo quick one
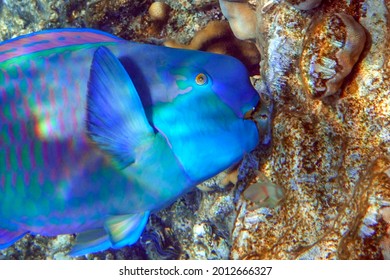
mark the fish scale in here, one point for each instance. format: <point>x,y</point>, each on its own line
<point>53,157</point>
<point>97,132</point>
<point>43,101</point>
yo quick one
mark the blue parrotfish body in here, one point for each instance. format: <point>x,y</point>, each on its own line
<point>97,132</point>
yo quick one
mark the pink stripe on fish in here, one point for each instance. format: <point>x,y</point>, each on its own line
<point>52,98</point>
<point>65,96</point>
<point>3,98</point>
<point>51,39</point>
<point>17,91</point>
<point>8,160</point>
<point>74,118</point>
<point>62,121</point>
<point>22,131</point>
<point>38,98</point>
<point>14,179</point>
<point>66,171</point>
<point>56,78</point>
<point>29,85</point>
<point>41,178</point>
<point>53,175</point>
<point>31,148</point>
<point>26,108</point>
<point>42,78</point>
<point>19,160</point>
<point>19,71</point>
<point>14,111</point>
<point>2,182</point>
<point>69,78</point>
<point>45,155</point>
<point>11,134</point>
<point>26,178</point>
<point>6,76</point>
<point>33,68</point>
<point>77,87</point>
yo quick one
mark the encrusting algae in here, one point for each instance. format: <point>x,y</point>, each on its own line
<point>325,151</point>
<point>332,47</point>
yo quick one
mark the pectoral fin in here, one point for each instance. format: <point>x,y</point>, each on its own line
<point>118,231</point>
<point>126,229</point>
<point>90,241</point>
<point>116,119</point>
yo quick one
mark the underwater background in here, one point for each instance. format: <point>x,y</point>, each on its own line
<point>322,70</point>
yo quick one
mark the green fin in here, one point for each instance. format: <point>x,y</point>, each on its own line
<point>126,229</point>
<point>90,241</point>
<point>116,119</point>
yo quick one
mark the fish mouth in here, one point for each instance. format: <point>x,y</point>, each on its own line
<point>261,115</point>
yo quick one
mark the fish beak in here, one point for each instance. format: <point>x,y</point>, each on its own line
<point>261,115</point>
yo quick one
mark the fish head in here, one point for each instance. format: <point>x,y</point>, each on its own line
<point>229,81</point>
<point>205,123</point>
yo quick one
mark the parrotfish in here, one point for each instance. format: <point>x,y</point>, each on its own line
<point>97,132</point>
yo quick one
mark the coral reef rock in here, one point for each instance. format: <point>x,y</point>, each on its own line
<point>330,155</point>
<point>159,11</point>
<point>217,37</point>
<point>304,4</point>
<point>332,47</point>
<point>242,18</point>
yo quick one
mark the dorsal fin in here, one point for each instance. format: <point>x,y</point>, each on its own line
<point>50,39</point>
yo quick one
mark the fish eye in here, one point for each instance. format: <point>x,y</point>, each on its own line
<point>201,79</point>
